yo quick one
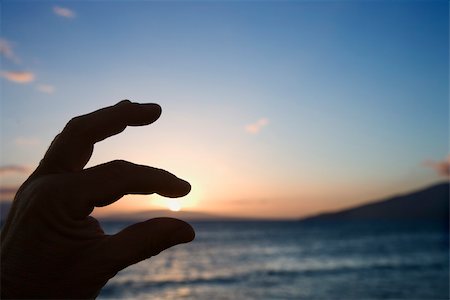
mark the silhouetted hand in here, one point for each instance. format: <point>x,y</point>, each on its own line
<point>51,247</point>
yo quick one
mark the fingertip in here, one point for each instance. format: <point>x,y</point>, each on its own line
<point>175,230</point>
<point>144,240</point>
<point>152,110</point>
<point>184,234</point>
<point>185,186</point>
<point>177,188</point>
<point>139,114</point>
<point>191,233</point>
<point>157,109</point>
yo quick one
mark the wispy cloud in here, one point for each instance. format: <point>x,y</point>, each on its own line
<point>6,49</point>
<point>8,192</point>
<point>256,127</point>
<point>64,12</point>
<point>26,141</point>
<point>18,76</point>
<point>11,169</point>
<point>46,88</point>
<point>441,167</point>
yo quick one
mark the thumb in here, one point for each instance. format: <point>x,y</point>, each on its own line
<point>143,240</point>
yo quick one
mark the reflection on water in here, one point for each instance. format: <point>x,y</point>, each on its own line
<point>290,260</point>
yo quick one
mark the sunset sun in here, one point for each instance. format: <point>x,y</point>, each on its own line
<point>173,205</point>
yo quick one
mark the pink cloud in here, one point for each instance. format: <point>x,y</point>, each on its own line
<point>256,127</point>
<point>6,49</point>
<point>26,141</point>
<point>8,169</point>
<point>46,88</point>
<point>64,12</point>
<point>441,167</point>
<point>18,76</point>
<point>8,192</point>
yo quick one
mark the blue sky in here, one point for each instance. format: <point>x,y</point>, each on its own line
<point>353,96</point>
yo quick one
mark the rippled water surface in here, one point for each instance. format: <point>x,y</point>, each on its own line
<point>291,260</point>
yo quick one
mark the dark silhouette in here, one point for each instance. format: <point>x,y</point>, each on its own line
<point>50,246</point>
<point>430,204</point>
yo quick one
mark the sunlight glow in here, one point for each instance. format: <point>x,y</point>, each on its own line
<point>173,205</point>
<point>189,202</point>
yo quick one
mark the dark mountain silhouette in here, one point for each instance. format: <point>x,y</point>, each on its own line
<point>431,203</point>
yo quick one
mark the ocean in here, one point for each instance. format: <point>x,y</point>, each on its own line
<point>294,260</point>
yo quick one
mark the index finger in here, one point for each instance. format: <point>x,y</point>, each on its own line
<point>72,148</point>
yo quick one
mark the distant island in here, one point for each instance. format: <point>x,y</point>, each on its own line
<point>431,203</point>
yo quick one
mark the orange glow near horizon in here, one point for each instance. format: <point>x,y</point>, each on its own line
<point>238,181</point>
<point>218,189</point>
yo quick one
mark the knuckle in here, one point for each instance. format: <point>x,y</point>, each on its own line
<point>119,169</point>
<point>74,125</point>
<point>125,102</point>
<point>160,172</point>
<point>121,165</point>
<point>74,122</point>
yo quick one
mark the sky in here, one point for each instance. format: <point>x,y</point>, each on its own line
<point>276,109</point>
